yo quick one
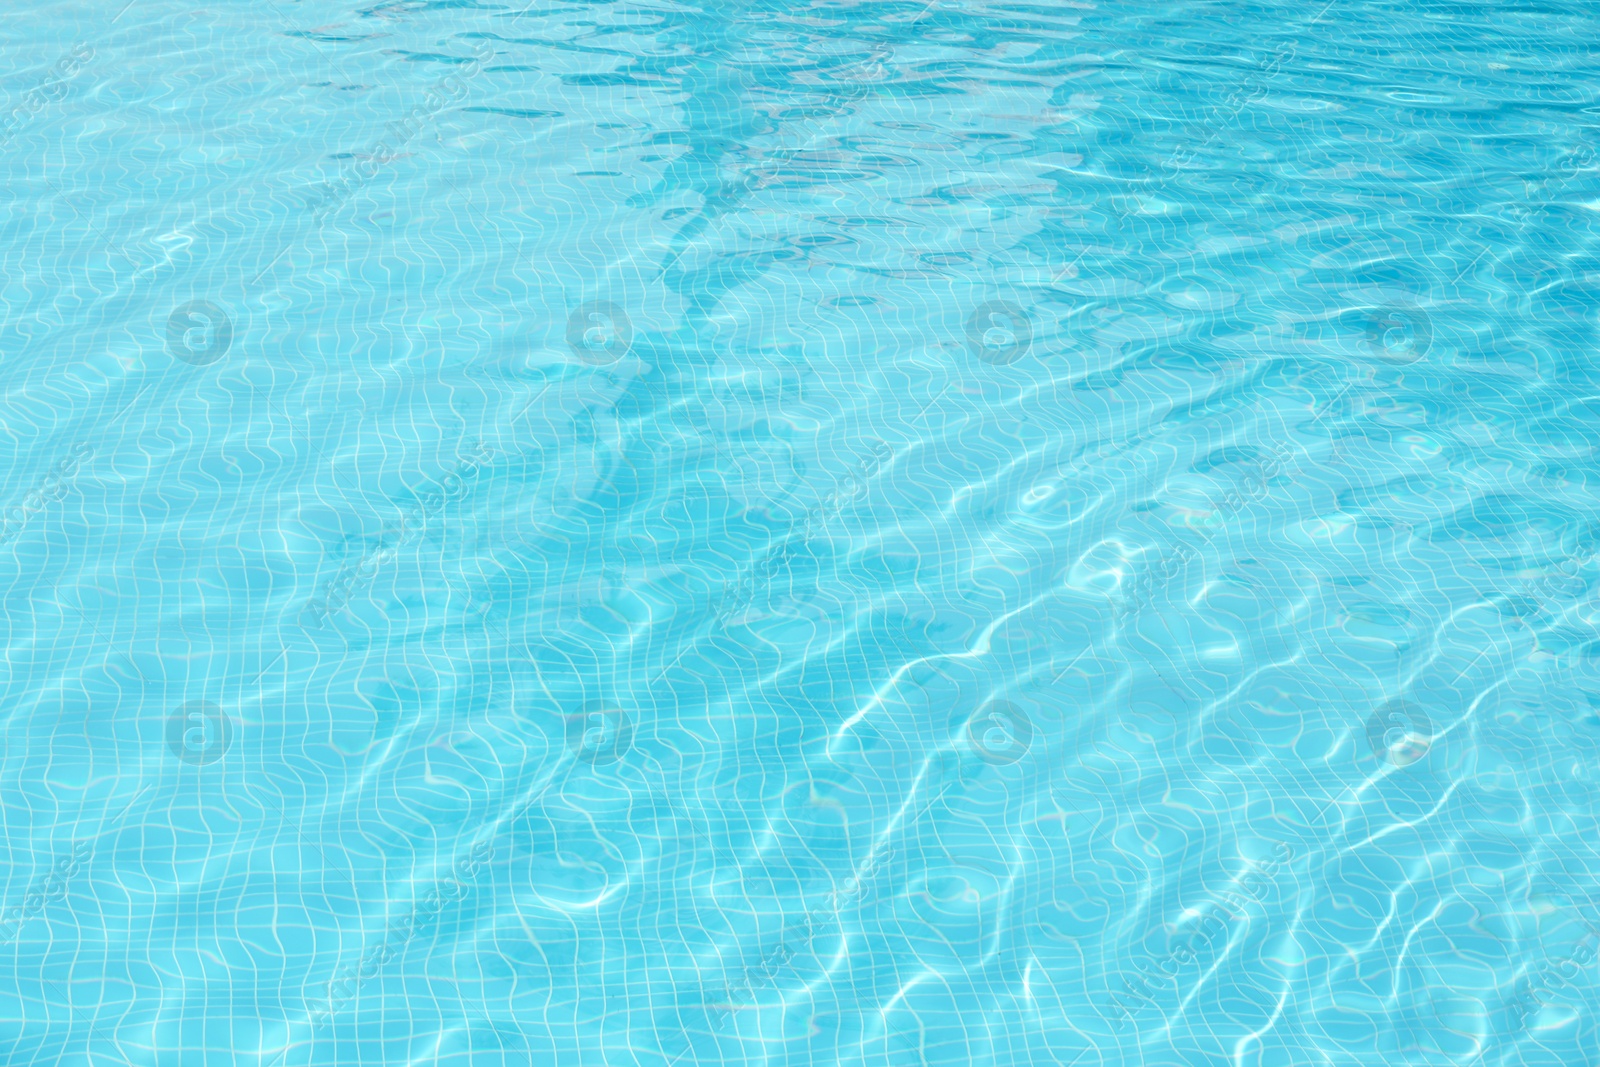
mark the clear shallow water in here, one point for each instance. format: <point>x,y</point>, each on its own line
<point>608,534</point>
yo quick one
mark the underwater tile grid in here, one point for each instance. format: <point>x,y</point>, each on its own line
<point>579,533</point>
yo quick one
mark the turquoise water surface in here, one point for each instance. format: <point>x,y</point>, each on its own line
<point>800,533</point>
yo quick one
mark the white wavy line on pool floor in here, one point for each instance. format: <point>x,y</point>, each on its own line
<point>980,648</point>
<point>522,803</point>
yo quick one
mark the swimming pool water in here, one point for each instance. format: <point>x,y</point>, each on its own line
<point>800,533</point>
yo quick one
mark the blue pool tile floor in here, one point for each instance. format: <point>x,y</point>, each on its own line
<point>634,533</point>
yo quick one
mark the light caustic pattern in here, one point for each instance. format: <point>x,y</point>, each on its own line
<point>895,533</point>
